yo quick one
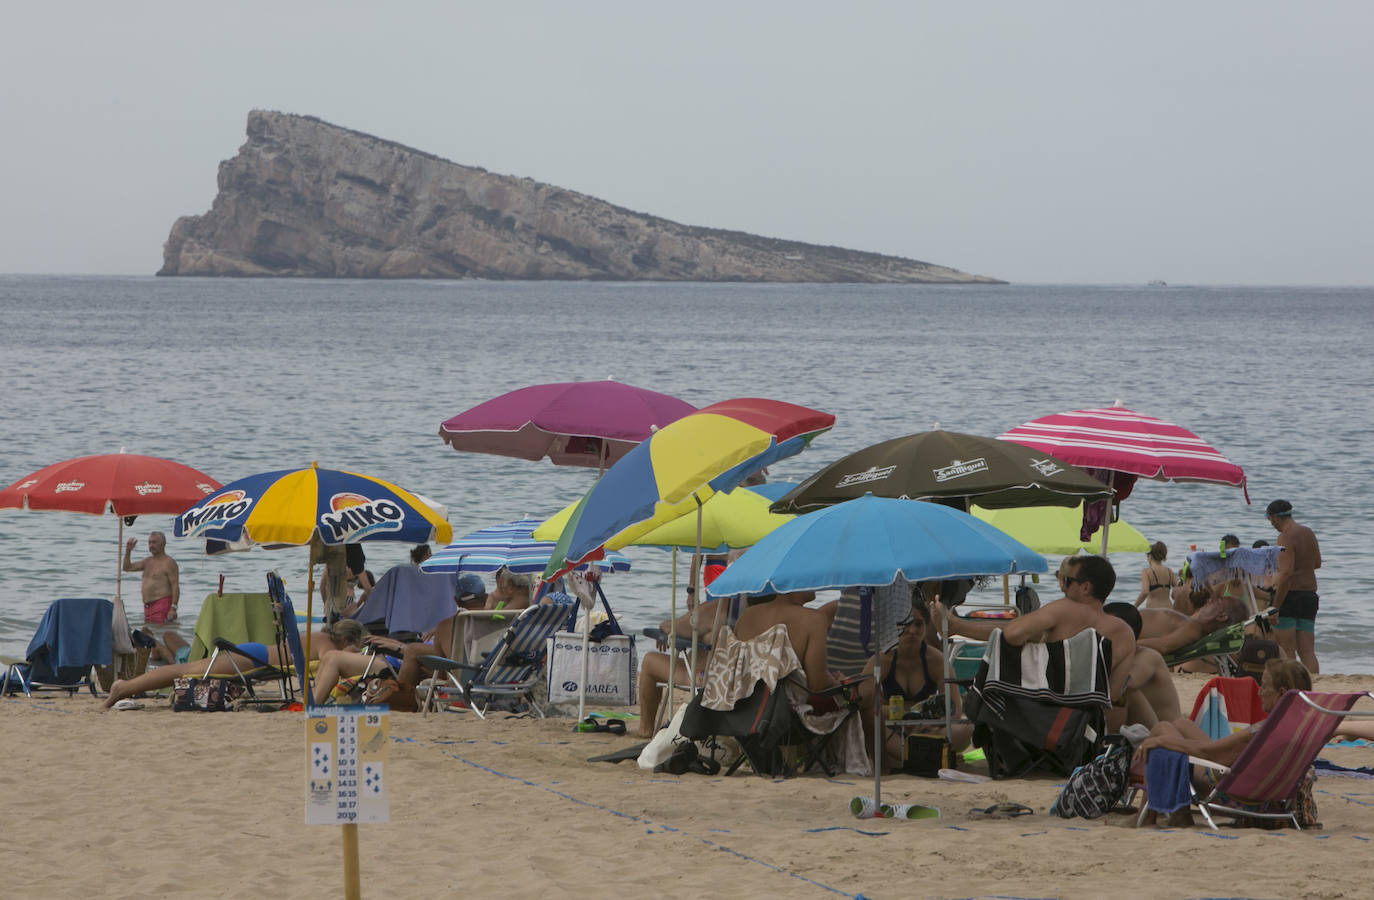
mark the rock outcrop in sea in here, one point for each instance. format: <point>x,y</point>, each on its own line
<point>309,199</point>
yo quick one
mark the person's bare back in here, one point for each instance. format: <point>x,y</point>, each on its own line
<point>806,629</point>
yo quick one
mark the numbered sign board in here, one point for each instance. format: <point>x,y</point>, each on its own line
<point>345,762</point>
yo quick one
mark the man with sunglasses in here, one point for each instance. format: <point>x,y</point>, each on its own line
<point>1087,581</point>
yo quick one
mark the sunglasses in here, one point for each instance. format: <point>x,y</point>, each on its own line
<point>1072,579</point>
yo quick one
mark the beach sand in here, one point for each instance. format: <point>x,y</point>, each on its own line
<point>152,803</point>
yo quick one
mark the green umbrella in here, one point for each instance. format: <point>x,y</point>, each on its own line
<point>1055,530</point>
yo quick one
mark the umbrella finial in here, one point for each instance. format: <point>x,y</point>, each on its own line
<point>1117,402</point>
<point>610,378</point>
<point>936,427</point>
<point>121,448</point>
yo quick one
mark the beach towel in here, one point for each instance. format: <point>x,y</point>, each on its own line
<point>1168,787</point>
<point>1072,672</point>
<point>238,618</point>
<point>1256,562</point>
<point>73,635</point>
<point>408,599</point>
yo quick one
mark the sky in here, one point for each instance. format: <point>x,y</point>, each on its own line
<point>1225,142</point>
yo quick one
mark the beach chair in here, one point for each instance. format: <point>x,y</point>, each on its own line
<point>1266,777</point>
<point>509,673</point>
<point>756,693</point>
<point>1226,705</point>
<point>73,636</point>
<point>849,642</point>
<point>1040,706</point>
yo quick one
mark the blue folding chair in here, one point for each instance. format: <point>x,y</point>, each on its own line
<point>74,635</point>
<point>509,673</point>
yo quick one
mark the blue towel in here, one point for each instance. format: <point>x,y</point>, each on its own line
<point>1167,785</point>
<point>410,600</point>
<point>73,635</point>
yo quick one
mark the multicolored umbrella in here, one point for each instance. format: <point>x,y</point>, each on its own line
<point>683,465</point>
<point>945,465</point>
<point>730,519</point>
<point>1118,439</point>
<point>580,423</point>
<point>298,506</point>
<point>126,484</point>
<point>511,546</point>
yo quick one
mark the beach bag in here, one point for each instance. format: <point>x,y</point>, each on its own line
<point>1097,787</point>
<point>612,669</point>
<point>927,754</point>
<point>385,690</point>
<point>205,694</point>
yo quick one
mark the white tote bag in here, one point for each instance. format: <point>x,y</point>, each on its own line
<point>612,669</point>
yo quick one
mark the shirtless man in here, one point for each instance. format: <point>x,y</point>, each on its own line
<point>806,630</point>
<point>1295,586</point>
<point>161,579</point>
<point>1213,616</point>
<point>1087,582</point>
<point>1150,694</point>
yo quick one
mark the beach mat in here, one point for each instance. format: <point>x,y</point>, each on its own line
<point>620,755</point>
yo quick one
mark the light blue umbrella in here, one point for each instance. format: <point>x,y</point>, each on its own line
<point>870,541</point>
<point>876,541</point>
<point>509,545</point>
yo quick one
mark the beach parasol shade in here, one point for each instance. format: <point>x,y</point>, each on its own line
<point>683,464</point>
<point>580,423</point>
<point>870,541</point>
<point>511,546</point>
<point>730,519</point>
<point>294,506</point>
<point>946,465</point>
<point>1056,529</point>
<point>126,484</point>
<point>1118,439</point>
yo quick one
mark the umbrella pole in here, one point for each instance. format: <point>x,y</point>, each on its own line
<point>672,638</point>
<point>878,731</point>
<point>1107,519</point>
<point>949,672</point>
<point>309,616</point>
<point>696,592</point>
<point>586,660</point>
<point>119,563</point>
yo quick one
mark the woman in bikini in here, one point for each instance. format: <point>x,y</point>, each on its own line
<point>1157,580</point>
<point>914,671</point>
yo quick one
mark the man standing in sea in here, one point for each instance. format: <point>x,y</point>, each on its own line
<point>1295,586</point>
<point>161,579</point>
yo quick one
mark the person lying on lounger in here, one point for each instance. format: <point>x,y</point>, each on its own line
<point>1213,616</point>
<point>344,634</point>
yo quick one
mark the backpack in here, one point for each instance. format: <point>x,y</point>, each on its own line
<point>1099,786</point>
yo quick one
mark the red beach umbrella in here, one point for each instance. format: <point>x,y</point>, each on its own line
<point>580,423</point>
<point>126,484</point>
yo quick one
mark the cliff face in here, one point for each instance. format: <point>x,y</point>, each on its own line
<point>306,198</point>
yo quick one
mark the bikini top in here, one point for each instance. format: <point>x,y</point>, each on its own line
<point>892,687</point>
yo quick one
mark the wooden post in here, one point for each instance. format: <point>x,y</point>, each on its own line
<point>352,881</point>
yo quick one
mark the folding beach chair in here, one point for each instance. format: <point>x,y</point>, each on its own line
<point>73,636</point>
<point>1040,706</point>
<point>508,675</point>
<point>1227,705</point>
<point>1264,781</point>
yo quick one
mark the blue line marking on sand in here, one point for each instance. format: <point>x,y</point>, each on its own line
<point>633,818</point>
<point>848,828</point>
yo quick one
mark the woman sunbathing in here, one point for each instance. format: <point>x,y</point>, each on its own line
<point>344,634</point>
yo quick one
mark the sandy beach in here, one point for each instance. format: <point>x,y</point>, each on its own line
<point>152,803</point>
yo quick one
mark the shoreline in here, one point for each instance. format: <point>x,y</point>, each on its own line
<point>177,805</point>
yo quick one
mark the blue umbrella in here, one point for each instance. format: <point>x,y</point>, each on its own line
<point>871,541</point>
<point>875,541</point>
<point>509,545</point>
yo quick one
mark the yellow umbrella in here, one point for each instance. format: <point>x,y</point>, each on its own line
<point>1055,530</point>
<point>738,518</point>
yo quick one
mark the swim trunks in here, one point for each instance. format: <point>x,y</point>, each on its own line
<point>183,653</point>
<point>157,611</point>
<point>1300,606</point>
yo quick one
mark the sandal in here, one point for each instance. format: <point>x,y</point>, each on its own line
<point>1001,811</point>
<point>681,761</point>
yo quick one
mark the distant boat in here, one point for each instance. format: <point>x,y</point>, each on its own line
<point>1156,283</point>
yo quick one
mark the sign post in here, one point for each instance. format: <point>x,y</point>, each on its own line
<point>345,753</point>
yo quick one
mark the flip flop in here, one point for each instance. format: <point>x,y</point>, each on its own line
<point>128,704</point>
<point>1001,811</point>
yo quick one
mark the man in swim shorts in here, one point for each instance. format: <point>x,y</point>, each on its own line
<point>1295,586</point>
<point>161,579</point>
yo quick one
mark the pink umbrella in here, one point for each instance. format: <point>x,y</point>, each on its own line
<point>1124,445</point>
<point>580,423</point>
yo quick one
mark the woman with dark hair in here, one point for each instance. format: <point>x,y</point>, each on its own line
<point>1157,580</point>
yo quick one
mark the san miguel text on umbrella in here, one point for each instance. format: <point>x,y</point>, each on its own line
<point>1046,467</point>
<point>872,474</point>
<point>959,468</point>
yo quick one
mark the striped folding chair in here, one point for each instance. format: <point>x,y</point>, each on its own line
<point>510,672</point>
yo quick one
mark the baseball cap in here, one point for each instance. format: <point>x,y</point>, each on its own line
<point>1279,508</point>
<point>471,587</point>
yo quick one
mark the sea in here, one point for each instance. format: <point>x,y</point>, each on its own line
<point>238,376</point>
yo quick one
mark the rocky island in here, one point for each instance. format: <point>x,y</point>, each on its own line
<point>305,198</point>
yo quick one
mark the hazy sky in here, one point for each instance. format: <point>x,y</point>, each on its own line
<point>1215,142</point>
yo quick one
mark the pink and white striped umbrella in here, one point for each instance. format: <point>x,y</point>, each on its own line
<point>1122,440</point>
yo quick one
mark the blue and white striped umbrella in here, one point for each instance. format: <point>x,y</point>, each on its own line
<point>508,545</point>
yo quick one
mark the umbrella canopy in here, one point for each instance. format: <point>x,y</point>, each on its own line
<point>942,465</point>
<point>1055,529</point>
<point>730,519</point>
<point>1121,440</point>
<point>870,541</point>
<point>581,423</point>
<point>126,484</point>
<point>683,464</point>
<point>510,545</point>
<point>294,506</point>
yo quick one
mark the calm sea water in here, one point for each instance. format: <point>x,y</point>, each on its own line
<point>240,376</point>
